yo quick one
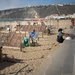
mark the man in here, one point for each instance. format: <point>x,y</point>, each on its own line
<point>33,36</point>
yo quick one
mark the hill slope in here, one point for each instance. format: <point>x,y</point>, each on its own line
<point>42,11</point>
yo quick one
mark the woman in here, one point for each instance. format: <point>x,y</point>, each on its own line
<point>60,38</point>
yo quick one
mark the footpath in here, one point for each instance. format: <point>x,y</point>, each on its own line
<point>60,62</point>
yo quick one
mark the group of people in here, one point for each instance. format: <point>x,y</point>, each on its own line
<point>60,35</point>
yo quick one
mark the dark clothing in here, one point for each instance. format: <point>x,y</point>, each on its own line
<point>60,37</point>
<point>48,31</point>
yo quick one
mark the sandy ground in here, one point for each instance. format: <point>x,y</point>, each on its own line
<point>31,58</point>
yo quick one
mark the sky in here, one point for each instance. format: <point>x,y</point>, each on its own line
<point>8,4</point>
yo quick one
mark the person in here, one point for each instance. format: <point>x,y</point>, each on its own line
<point>72,23</point>
<point>60,38</point>
<point>33,35</point>
<point>48,30</point>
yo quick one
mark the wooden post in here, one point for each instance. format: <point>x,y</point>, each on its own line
<point>50,21</point>
<point>25,33</point>
<point>0,54</point>
<point>0,48</point>
<point>42,34</point>
<point>20,38</point>
<point>58,23</point>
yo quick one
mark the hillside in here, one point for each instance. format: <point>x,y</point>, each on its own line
<point>41,10</point>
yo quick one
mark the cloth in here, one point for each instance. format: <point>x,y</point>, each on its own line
<point>48,27</point>
<point>34,35</point>
<point>72,23</point>
<point>26,42</point>
<point>60,34</point>
<point>60,37</point>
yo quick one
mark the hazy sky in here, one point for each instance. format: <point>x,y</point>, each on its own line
<point>7,4</point>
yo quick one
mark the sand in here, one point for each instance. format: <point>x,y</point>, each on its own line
<point>30,59</point>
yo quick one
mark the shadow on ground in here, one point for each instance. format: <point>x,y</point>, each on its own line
<point>8,62</point>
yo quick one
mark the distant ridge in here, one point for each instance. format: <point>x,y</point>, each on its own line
<point>41,10</point>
